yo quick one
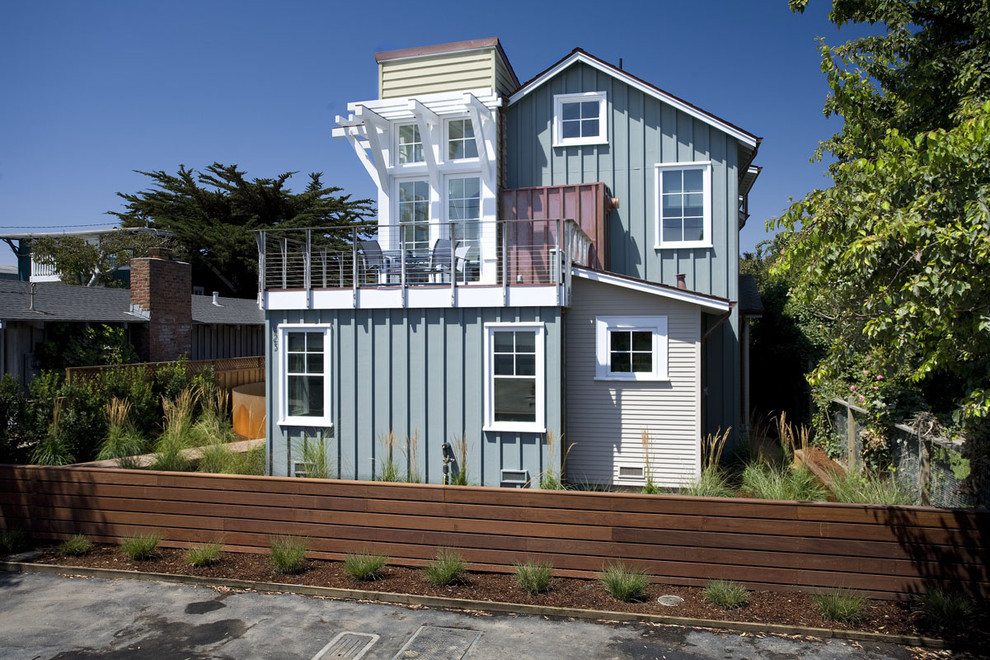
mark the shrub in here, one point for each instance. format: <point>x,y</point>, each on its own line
<point>288,554</point>
<point>364,566</point>
<point>446,568</point>
<point>75,546</point>
<point>141,546</point>
<point>839,605</point>
<point>205,554</point>
<point>623,583</point>
<point>712,483</point>
<point>14,421</point>
<point>534,577</point>
<point>780,482</point>
<point>726,594</point>
<point>13,540</point>
<point>944,610</point>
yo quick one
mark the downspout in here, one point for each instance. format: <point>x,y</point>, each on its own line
<point>722,319</point>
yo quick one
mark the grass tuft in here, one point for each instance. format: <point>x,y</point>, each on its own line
<point>288,554</point>
<point>781,482</point>
<point>624,583</point>
<point>364,566</point>
<point>943,610</point>
<point>726,594</point>
<point>712,483</point>
<point>75,546</point>
<point>534,577</point>
<point>448,567</point>
<point>206,554</point>
<point>839,605</point>
<point>141,546</point>
<point>857,487</point>
<point>13,540</point>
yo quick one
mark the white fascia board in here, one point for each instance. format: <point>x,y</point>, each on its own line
<point>441,103</point>
<point>745,138</point>
<point>681,295</point>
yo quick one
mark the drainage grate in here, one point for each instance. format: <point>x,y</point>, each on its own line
<point>432,643</point>
<point>347,646</point>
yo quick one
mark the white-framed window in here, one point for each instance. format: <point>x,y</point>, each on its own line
<point>580,119</point>
<point>515,385</point>
<point>304,357</point>
<point>460,140</point>
<point>631,347</point>
<point>464,211</point>
<point>684,205</point>
<point>410,145</point>
<point>414,213</point>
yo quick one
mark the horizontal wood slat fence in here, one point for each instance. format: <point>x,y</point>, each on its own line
<point>230,372</point>
<point>886,552</point>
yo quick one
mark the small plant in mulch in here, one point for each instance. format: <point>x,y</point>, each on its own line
<point>840,605</point>
<point>534,577</point>
<point>364,566</point>
<point>75,546</point>
<point>943,610</point>
<point>13,540</point>
<point>446,568</point>
<point>206,554</point>
<point>141,546</point>
<point>288,554</point>
<point>625,584</point>
<point>726,594</point>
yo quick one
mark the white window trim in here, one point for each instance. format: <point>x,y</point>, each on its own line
<point>283,376</point>
<point>706,168</point>
<point>539,426</point>
<point>655,324</point>
<point>558,102</point>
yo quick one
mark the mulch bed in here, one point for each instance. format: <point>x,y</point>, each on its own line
<point>896,618</point>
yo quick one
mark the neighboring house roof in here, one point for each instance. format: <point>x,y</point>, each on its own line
<point>54,301</point>
<point>578,55</point>
<point>713,303</point>
<point>750,302</point>
<point>231,311</point>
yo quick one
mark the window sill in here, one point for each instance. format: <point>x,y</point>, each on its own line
<point>640,379</point>
<point>321,422</point>
<point>513,427</point>
<point>583,142</point>
<point>684,246</point>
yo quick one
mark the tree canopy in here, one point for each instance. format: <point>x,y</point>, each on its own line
<point>213,213</point>
<point>895,255</point>
<point>92,262</point>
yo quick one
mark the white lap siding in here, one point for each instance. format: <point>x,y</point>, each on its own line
<point>605,419</point>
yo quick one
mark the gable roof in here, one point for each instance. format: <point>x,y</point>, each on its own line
<point>54,301</point>
<point>579,55</point>
<point>708,302</point>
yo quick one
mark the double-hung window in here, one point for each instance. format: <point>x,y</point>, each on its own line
<point>684,206</point>
<point>460,140</point>
<point>580,119</point>
<point>414,214</point>
<point>631,347</point>
<point>305,367</point>
<point>514,385</point>
<point>410,148</point>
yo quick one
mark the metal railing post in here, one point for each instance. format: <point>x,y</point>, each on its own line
<point>500,246</point>
<point>354,266</point>
<point>453,265</point>
<point>308,264</point>
<point>402,265</point>
<point>285,265</point>
<point>262,266</point>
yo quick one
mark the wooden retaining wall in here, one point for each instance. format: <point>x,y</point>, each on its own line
<point>886,552</point>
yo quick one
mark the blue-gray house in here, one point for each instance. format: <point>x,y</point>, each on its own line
<point>553,272</point>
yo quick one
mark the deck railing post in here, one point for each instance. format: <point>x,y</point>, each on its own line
<point>453,265</point>
<point>354,267</point>
<point>501,246</point>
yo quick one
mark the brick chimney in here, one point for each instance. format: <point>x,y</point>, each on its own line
<point>161,291</point>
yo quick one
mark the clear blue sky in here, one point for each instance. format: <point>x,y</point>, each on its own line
<point>91,91</point>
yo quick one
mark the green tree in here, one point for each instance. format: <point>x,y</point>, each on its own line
<point>92,261</point>
<point>895,255</point>
<point>212,215</point>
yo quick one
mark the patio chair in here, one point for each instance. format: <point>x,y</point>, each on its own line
<point>440,260</point>
<point>373,259</point>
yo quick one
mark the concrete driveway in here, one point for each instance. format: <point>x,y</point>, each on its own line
<point>48,616</point>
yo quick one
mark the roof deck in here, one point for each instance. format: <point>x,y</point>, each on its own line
<point>421,264</point>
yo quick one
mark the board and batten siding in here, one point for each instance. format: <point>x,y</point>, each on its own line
<point>642,132</point>
<point>417,373</point>
<point>605,419</point>
<point>444,72</point>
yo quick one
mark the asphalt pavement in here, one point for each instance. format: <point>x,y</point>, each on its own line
<point>46,616</point>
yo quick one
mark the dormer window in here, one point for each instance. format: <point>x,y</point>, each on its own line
<point>410,144</point>
<point>460,140</point>
<point>580,119</point>
<point>684,207</point>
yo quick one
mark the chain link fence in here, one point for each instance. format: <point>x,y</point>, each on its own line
<point>934,470</point>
